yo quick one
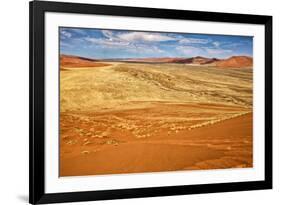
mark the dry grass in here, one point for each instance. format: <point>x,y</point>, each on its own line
<point>108,87</point>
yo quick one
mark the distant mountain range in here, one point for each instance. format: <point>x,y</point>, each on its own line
<point>232,62</point>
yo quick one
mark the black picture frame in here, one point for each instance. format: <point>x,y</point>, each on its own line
<point>37,9</point>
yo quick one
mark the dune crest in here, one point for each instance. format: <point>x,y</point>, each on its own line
<point>236,62</point>
<point>70,61</point>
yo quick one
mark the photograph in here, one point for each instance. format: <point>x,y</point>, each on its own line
<point>133,101</point>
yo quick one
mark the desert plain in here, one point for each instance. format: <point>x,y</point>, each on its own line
<point>135,116</point>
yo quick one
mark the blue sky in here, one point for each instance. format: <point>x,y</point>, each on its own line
<point>101,43</point>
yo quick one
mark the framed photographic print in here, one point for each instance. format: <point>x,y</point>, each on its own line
<point>140,102</point>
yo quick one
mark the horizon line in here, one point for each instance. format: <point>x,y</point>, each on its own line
<point>196,56</point>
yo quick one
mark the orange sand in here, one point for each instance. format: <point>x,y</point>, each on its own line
<point>153,139</point>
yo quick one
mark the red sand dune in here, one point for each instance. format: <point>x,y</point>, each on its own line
<point>232,62</point>
<point>68,61</point>
<point>196,60</point>
<point>154,60</point>
<point>236,62</point>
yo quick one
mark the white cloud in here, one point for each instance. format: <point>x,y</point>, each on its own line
<point>216,44</point>
<point>214,51</point>
<point>135,42</point>
<point>193,41</point>
<point>202,51</point>
<point>147,49</point>
<point>190,50</point>
<point>109,35</point>
<point>64,44</point>
<point>79,31</point>
<point>65,34</point>
<point>233,45</point>
<point>107,42</point>
<point>141,42</point>
<point>144,37</point>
